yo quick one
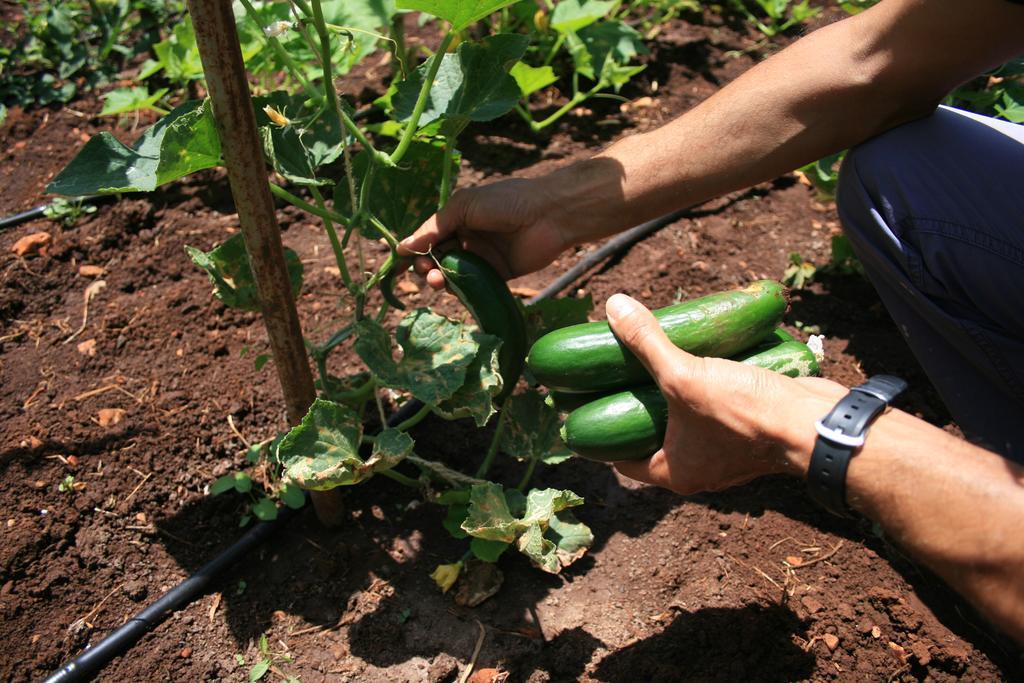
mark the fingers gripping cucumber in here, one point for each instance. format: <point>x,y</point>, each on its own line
<point>630,425</point>
<point>588,357</point>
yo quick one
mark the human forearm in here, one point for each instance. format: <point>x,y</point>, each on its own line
<point>830,90</point>
<point>955,507</point>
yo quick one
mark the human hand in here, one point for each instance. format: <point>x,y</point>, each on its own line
<point>510,223</point>
<point>728,423</point>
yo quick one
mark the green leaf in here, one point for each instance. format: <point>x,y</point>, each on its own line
<point>292,496</point>
<point>243,482</point>
<point>321,135</point>
<point>322,452</point>
<point>265,510</point>
<point>231,274</point>
<point>571,537</point>
<point>454,519</point>
<point>459,13</point>
<point>530,79</point>
<point>572,15</point>
<point>126,100</point>
<point>436,352</point>
<point>542,503</point>
<point>540,550</point>
<point>531,427</point>
<point>472,84</point>
<point>483,383</point>
<point>390,448</point>
<point>222,484</point>
<point>403,197</point>
<point>599,48</point>
<point>258,670</point>
<point>551,314</point>
<point>488,551</point>
<point>180,143</point>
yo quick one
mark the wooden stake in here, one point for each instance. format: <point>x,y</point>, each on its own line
<point>217,39</point>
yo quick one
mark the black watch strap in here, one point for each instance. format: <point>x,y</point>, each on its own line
<point>841,433</point>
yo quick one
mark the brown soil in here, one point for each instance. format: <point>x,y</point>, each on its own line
<point>675,588</point>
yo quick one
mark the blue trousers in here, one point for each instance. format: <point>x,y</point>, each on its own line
<point>934,210</point>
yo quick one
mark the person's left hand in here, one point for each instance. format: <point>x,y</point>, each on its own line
<point>728,422</point>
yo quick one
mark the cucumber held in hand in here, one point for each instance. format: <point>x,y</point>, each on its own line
<point>630,425</point>
<point>588,357</point>
<point>486,295</point>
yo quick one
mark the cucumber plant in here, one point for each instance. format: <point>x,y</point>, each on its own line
<point>367,183</point>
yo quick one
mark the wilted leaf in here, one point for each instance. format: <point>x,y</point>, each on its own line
<point>322,452</point>
<point>571,537</point>
<point>390,448</point>
<point>480,581</point>
<point>489,516</point>
<point>540,550</point>
<point>436,352</point>
<point>231,273</point>
<point>483,383</point>
<point>531,427</point>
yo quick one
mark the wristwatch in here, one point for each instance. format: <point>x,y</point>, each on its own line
<point>841,433</point>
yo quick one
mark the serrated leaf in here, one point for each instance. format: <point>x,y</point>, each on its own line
<point>531,426</point>
<point>127,100</point>
<point>322,452</point>
<point>436,352</point>
<point>571,537</point>
<point>540,550</point>
<point>541,504</point>
<point>530,79</point>
<point>265,510</point>
<point>488,551</point>
<point>459,13</point>
<point>472,84</point>
<point>551,314</point>
<point>222,484</point>
<point>597,49</point>
<point>231,274</point>
<point>182,142</point>
<point>390,448</point>
<point>405,196</point>
<point>489,516</point>
<point>572,15</point>
<point>483,382</point>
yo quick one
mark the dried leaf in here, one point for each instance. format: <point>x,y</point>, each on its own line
<point>32,244</point>
<point>88,347</point>
<point>109,417</point>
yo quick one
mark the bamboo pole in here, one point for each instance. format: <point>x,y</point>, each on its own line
<point>224,69</point>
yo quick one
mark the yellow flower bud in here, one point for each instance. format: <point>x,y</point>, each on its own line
<point>276,117</point>
<point>446,574</point>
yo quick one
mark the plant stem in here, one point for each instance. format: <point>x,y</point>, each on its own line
<point>421,100</point>
<point>380,408</point>
<point>279,50</point>
<point>326,214</point>
<point>492,450</point>
<point>339,255</point>
<point>415,419</point>
<point>400,478</point>
<point>554,49</point>
<point>527,476</point>
<point>446,172</point>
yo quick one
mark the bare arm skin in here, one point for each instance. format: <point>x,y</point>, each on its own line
<point>955,507</point>
<point>836,87</point>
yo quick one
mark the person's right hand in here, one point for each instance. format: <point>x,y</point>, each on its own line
<point>510,223</point>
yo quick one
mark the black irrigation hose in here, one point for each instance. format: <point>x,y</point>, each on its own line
<point>17,218</point>
<point>90,662</point>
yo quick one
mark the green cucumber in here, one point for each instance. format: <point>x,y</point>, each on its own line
<point>588,357</point>
<point>486,295</point>
<point>630,425</point>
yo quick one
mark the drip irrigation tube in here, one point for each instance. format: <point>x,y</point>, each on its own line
<point>90,662</point>
<point>17,218</point>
